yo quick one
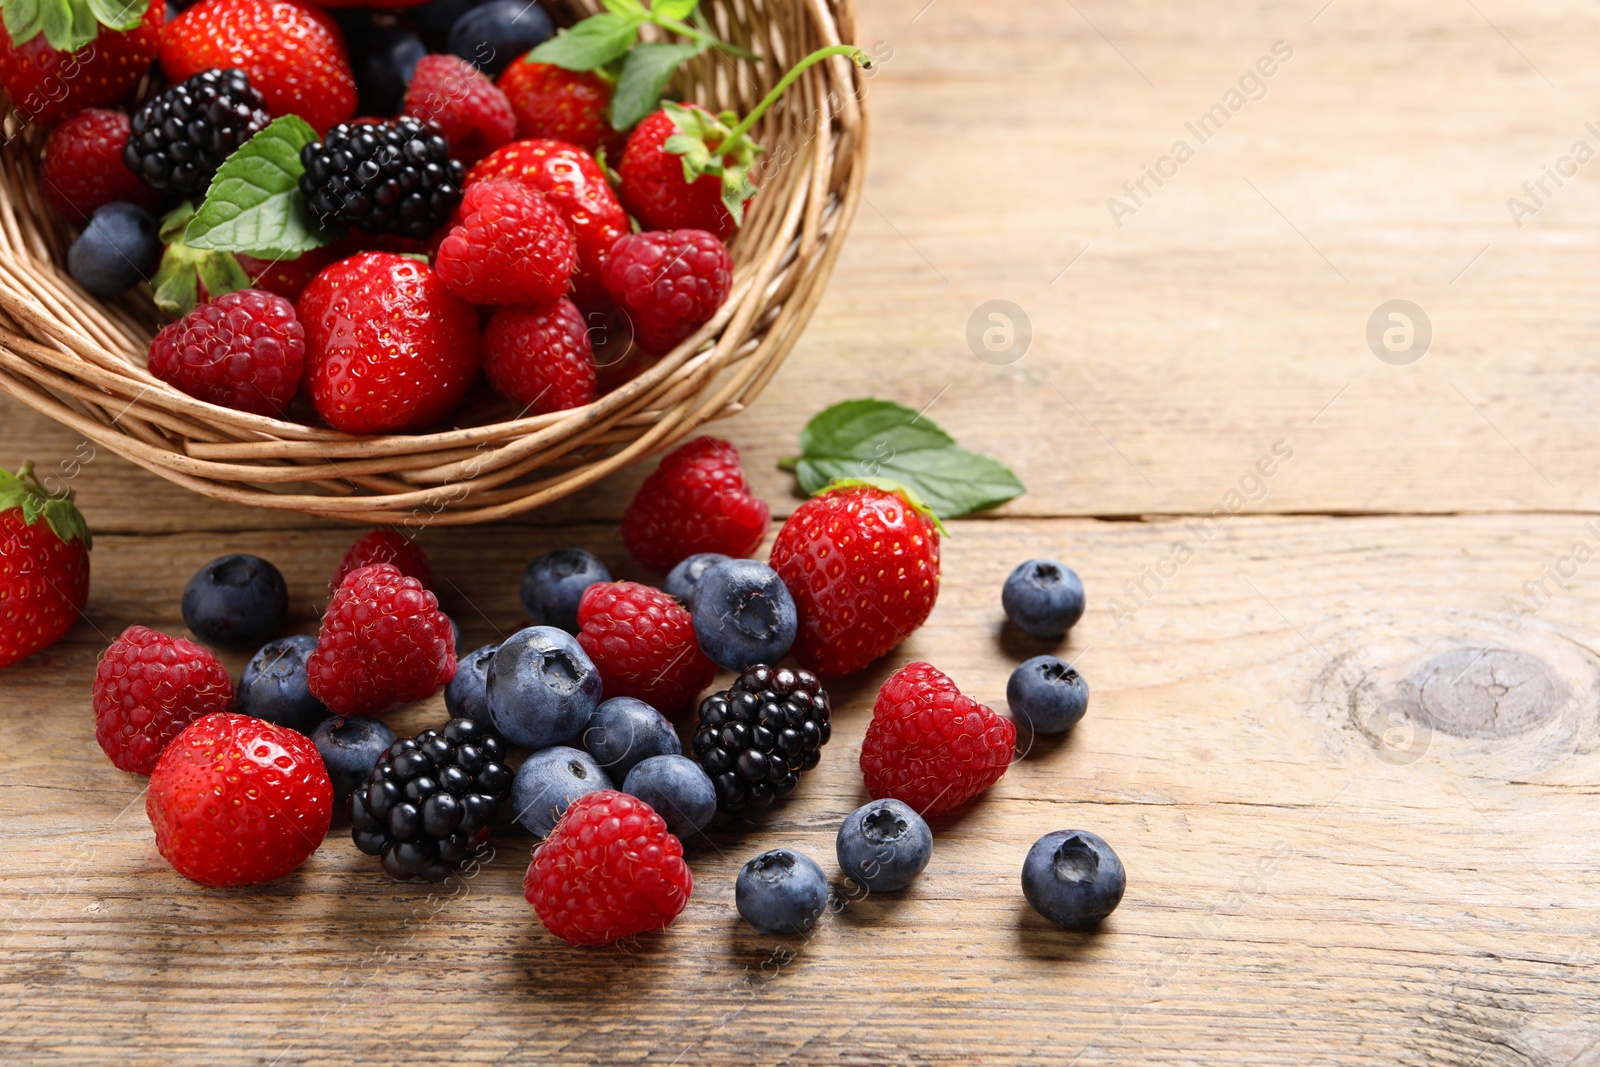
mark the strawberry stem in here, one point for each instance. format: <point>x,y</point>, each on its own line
<point>856,55</point>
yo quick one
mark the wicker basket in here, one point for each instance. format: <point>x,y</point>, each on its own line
<point>82,362</point>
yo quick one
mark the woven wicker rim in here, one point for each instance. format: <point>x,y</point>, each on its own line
<point>81,361</point>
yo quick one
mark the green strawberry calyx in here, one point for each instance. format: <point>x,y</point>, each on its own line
<point>889,485</point>
<point>719,146</point>
<point>189,276</point>
<point>22,492</point>
<point>68,25</point>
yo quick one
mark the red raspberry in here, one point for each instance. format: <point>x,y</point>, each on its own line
<point>617,359</point>
<point>540,357</point>
<point>931,747</point>
<point>654,189</point>
<point>862,564</point>
<point>236,801</point>
<point>147,688</point>
<point>642,642</point>
<point>510,247</point>
<point>82,169</point>
<point>608,870</point>
<point>385,546</point>
<point>244,351</point>
<point>697,501</point>
<point>384,641</point>
<point>575,185</point>
<point>670,283</point>
<point>388,348</point>
<point>474,115</point>
<point>560,104</point>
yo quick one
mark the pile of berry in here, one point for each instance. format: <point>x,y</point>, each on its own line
<point>490,211</point>
<point>592,705</point>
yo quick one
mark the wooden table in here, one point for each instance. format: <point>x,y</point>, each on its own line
<point>1345,740</point>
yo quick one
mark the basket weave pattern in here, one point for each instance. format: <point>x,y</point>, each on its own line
<point>81,361</point>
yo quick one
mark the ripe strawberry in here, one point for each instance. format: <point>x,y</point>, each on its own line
<point>44,565</point>
<point>235,800</point>
<point>82,169</point>
<point>473,114</point>
<point>560,104</point>
<point>670,283</point>
<point>653,184</point>
<point>574,184</point>
<point>385,546</point>
<point>930,747</point>
<point>388,348</point>
<point>46,84</point>
<point>609,869</point>
<point>863,566</point>
<point>510,247</point>
<point>540,357</point>
<point>147,688</point>
<point>294,54</point>
<point>289,277</point>
<point>697,500</point>
<point>642,641</point>
<point>383,641</point>
<point>243,350</point>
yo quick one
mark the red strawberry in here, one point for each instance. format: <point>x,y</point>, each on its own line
<point>930,747</point>
<point>44,565</point>
<point>642,642</point>
<point>383,641</point>
<point>294,53</point>
<point>82,169</point>
<point>289,277</point>
<point>510,247</point>
<point>388,348</point>
<point>236,801</point>
<point>653,185</point>
<point>863,566</point>
<point>560,104</point>
<point>147,688</point>
<point>244,350</point>
<point>473,114</point>
<point>670,282</point>
<point>574,184</point>
<point>609,869</point>
<point>540,357</point>
<point>697,501</point>
<point>385,546</point>
<point>47,84</point>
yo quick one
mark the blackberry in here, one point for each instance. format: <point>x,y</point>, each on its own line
<point>181,137</point>
<point>756,739</point>
<point>430,800</point>
<point>384,177</point>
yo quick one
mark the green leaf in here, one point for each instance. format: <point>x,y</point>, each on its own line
<point>254,204</point>
<point>22,490</point>
<point>650,66</point>
<point>120,15</point>
<point>676,10</point>
<point>69,25</point>
<point>61,25</point>
<point>592,43</point>
<point>872,440</point>
<point>188,276</point>
<point>23,19</point>
<point>625,8</point>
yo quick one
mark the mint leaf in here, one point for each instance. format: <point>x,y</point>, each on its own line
<point>872,440</point>
<point>626,8</point>
<point>677,10</point>
<point>592,43</point>
<point>120,15</point>
<point>650,66</point>
<point>254,204</point>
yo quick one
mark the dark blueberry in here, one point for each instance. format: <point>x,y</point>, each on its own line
<point>884,845</point>
<point>116,251</point>
<point>554,583</point>
<point>781,892</point>
<point>275,688</point>
<point>351,746</point>
<point>466,695</point>
<point>678,790</point>
<point>435,18</point>
<point>236,601</point>
<point>1047,694</point>
<point>491,36</point>
<point>548,782</point>
<point>622,731</point>
<point>682,579</point>
<point>1044,598</point>
<point>744,615</point>
<point>1072,878</point>
<point>542,688</point>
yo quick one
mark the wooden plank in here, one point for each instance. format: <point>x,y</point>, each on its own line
<point>1305,885</point>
